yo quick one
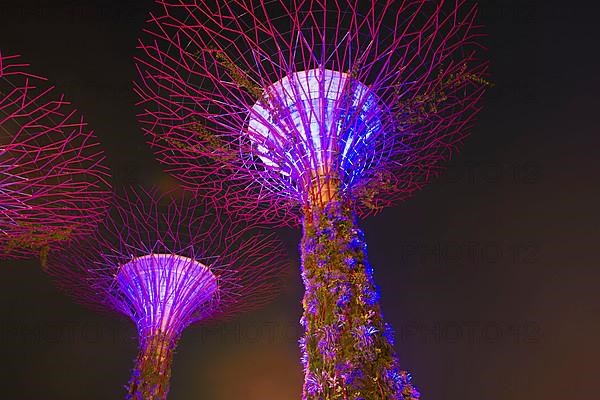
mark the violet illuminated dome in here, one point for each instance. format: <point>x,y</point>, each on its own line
<point>53,184</point>
<point>167,263</point>
<point>159,290</point>
<point>310,100</point>
<point>297,102</point>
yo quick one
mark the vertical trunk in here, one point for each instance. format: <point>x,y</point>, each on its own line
<point>347,348</point>
<point>152,373</point>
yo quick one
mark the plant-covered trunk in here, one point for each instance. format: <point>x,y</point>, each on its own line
<point>347,348</point>
<point>152,373</point>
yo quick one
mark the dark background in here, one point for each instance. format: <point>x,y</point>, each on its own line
<point>489,276</point>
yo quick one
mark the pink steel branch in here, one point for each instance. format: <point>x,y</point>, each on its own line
<point>225,91</point>
<point>166,262</point>
<point>53,184</point>
<point>316,112</point>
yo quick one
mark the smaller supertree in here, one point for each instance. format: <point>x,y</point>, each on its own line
<point>168,263</point>
<point>53,183</point>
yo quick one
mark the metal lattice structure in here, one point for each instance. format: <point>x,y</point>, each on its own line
<point>167,263</point>
<point>291,101</point>
<point>316,112</point>
<point>53,184</point>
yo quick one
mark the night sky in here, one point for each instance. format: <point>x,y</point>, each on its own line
<point>489,276</point>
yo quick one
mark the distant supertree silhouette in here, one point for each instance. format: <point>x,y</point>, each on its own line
<point>53,184</point>
<point>167,263</point>
<point>323,111</point>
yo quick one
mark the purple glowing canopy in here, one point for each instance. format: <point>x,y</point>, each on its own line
<point>159,290</point>
<point>166,261</point>
<point>291,100</point>
<point>53,184</point>
<point>311,100</point>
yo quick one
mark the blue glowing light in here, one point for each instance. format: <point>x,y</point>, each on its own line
<point>162,291</point>
<point>313,122</point>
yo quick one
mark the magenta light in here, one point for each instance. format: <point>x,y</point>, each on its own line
<point>162,289</point>
<point>315,112</point>
<point>53,184</point>
<point>162,258</point>
<point>284,100</point>
<point>319,91</point>
<point>166,261</point>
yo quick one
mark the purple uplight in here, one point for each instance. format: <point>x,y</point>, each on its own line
<point>311,102</point>
<point>294,102</point>
<point>167,261</point>
<point>163,290</point>
<point>316,113</point>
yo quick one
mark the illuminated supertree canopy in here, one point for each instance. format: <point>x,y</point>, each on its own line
<point>53,184</point>
<point>167,263</point>
<point>316,112</point>
<point>292,97</point>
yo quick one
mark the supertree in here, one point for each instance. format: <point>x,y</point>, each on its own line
<point>316,112</point>
<point>167,263</point>
<point>53,184</point>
